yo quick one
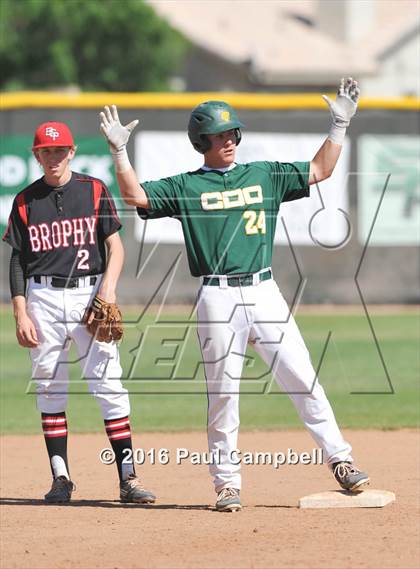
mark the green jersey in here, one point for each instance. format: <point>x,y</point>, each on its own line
<point>228,218</point>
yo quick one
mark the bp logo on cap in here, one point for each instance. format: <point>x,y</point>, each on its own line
<point>52,134</point>
<point>51,131</point>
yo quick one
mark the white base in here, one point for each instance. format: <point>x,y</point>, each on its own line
<point>343,499</point>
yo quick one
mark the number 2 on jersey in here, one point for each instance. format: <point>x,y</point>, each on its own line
<point>83,255</point>
<point>255,223</point>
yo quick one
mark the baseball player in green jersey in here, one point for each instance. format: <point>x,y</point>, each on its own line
<point>228,213</point>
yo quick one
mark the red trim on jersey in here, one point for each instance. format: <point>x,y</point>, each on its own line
<point>21,203</point>
<point>97,191</point>
<point>112,206</point>
<point>22,208</point>
<point>7,229</point>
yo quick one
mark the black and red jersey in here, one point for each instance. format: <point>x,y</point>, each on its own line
<point>62,231</point>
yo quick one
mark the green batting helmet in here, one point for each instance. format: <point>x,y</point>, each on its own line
<point>212,117</point>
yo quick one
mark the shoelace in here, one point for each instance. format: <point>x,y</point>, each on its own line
<point>134,482</point>
<point>345,468</point>
<point>227,492</point>
<point>62,481</point>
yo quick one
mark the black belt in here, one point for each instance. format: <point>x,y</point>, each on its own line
<point>239,280</point>
<point>64,282</point>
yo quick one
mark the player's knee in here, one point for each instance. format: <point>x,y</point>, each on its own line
<point>103,365</point>
<point>113,405</point>
<point>48,402</point>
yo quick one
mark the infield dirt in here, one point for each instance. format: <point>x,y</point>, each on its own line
<point>182,530</point>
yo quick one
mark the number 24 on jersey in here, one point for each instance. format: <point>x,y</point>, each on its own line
<point>255,222</point>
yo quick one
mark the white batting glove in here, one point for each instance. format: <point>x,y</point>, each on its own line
<point>117,136</point>
<point>115,133</point>
<point>343,108</point>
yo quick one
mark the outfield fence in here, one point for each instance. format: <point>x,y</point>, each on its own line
<point>354,241</point>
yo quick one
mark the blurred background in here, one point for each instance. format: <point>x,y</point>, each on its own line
<point>355,240</point>
<point>348,249</point>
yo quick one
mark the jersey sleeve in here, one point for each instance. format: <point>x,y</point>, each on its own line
<point>17,269</point>
<point>162,196</point>
<point>16,232</point>
<point>108,220</point>
<point>151,214</point>
<point>290,180</point>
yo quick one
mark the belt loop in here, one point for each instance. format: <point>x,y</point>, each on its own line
<point>256,279</point>
<point>223,282</point>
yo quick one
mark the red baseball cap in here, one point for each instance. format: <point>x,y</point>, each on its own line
<point>52,134</point>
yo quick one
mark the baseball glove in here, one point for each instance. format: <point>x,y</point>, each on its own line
<point>103,320</point>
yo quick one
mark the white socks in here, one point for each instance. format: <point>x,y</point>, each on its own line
<point>59,467</point>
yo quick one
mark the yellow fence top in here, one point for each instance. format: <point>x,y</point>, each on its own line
<point>258,101</point>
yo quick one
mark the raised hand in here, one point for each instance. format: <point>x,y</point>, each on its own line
<point>115,133</point>
<point>345,104</point>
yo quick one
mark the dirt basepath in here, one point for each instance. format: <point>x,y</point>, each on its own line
<point>183,531</point>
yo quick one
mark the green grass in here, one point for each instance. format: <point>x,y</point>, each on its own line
<point>167,389</point>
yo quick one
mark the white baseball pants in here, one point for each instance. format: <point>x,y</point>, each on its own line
<point>229,317</point>
<point>56,313</point>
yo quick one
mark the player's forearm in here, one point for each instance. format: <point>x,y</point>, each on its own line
<point>17,281</point>
<point>26,333</point>
<point>115,261</point>
<point>324,161</point>
<point>19,307</point>
<point>131,191</point>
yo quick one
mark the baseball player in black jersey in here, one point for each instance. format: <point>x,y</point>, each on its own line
<point>63,229</point>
